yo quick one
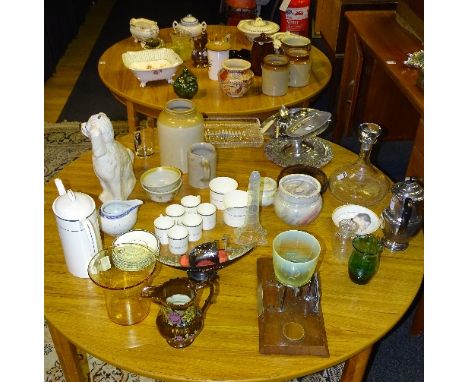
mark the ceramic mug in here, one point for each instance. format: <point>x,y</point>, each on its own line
<point>208,213</point>
<point>175,211</point>
<point>162,225</point>
<point>193,223</point>
<point>178,240</point>
<point>220,186</point>
<point>201,164</point>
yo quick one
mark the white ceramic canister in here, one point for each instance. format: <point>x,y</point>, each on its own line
<point>235,212</point>
<point>78,227</point>
<point>298,200</point>
<point>275,75</point>
<point>179,126</point>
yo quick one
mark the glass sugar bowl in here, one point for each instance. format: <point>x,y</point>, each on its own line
<point>342,243</point>
<point>298,200</point>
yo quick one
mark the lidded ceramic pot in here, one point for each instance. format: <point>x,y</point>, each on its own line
<point>143,29</point>
<point>180,125</point>
<point>298,200</point>
<point>235,77</point>
<point>190,25</point>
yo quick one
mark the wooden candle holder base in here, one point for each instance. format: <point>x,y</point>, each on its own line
<point>290,320</point>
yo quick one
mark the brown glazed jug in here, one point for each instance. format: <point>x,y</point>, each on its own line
<point>262,46</point>
<point>179,320</point>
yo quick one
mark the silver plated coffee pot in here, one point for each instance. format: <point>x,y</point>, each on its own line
<point>403,218</point>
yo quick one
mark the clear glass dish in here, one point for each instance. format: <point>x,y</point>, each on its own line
<point>233,132</point>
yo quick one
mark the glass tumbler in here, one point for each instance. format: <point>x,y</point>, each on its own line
<point>365,258</point>
<point>122,271</point>
<point>342,244</point>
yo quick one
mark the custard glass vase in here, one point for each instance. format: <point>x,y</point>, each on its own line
<point>361,182</point>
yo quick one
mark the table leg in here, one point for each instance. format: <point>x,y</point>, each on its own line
<point>132,117</point>
<point>356,366</point>
<point>67,356</point>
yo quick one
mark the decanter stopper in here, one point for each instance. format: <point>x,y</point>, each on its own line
<point>252,232</point>
<point>368,133</point>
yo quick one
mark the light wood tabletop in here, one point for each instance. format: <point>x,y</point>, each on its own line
<point>209,100</point>
<point>227,349</point>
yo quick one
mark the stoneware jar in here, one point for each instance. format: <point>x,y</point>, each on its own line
<point>190,25</point>
<point>179,126</point>
<point>298,200</point>
<point>235,77</point>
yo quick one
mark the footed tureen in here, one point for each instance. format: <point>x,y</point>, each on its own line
<point>143,29</point>
<point>253,28</point>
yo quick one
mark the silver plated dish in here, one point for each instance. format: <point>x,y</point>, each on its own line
<point>310,151</point>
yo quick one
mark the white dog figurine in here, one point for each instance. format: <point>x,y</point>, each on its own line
<point>112,162</point>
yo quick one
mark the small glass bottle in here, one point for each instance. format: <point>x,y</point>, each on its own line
<point>275,75</point>
<point>342,244</point>
<point>299,67</point>
<point>360,182</point>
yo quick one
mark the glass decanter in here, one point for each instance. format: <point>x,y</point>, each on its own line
<point>361,183</point>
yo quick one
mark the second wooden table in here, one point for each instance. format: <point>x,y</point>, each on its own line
<point>209,100</point>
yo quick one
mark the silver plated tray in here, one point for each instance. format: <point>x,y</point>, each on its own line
<point>314,151</point>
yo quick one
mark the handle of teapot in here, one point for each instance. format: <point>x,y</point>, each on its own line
<point>174,24</point>
<point>88,226</point>
<point>204,25</point>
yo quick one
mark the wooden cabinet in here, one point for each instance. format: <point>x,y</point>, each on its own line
<point>376,86</point>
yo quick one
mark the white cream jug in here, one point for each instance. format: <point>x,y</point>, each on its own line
<point>78,227</point>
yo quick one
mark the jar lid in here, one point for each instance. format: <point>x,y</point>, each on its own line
<point>189,20</point>
<point>257,26</point>
<point>73,206</point>
<point>262,39</point>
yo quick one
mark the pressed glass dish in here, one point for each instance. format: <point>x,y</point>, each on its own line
<point>233,132</point>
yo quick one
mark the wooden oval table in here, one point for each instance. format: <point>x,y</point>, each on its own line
<point>210,100</point>
<point>355,316</point>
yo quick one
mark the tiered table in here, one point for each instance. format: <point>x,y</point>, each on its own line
<point>227,349</point>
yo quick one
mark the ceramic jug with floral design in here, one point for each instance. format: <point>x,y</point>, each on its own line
<point>179,320</point>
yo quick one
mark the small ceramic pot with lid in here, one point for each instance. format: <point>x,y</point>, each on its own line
<point>190,25</point>
<point>298,200</point>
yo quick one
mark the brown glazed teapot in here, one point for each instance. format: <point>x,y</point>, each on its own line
<point>179,320</point>
<point>262,45</point>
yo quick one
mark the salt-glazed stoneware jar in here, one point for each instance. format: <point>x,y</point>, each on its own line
<point>298,200</point>
<point>189,25</point>
<point>235,77</point>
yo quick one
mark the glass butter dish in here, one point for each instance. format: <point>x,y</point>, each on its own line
<point>233,132</point>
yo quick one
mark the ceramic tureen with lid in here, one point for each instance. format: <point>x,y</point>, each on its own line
<point>253,28</point>
<point>190,25</point>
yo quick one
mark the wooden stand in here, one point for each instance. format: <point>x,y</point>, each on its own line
<point>289,323</point>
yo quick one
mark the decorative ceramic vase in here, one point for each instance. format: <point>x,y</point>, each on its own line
<point>235,77</point>
<point>179,126</point>
<point>186,85</point>
<point>298,200</point>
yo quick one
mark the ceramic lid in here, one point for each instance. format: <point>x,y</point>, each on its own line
<point>263,38</point>
<point>189,20</point>
<point>258,26</point>
<point>73,206</point>
<point>300,185</point>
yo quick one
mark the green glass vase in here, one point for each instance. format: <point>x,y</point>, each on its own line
<point>364,261</point>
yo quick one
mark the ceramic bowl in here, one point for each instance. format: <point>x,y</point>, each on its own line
<point>163,197</point>
<point>161,179</point>
<point>368,221</point>
<point>152,64</point>
<point>139,236</point>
